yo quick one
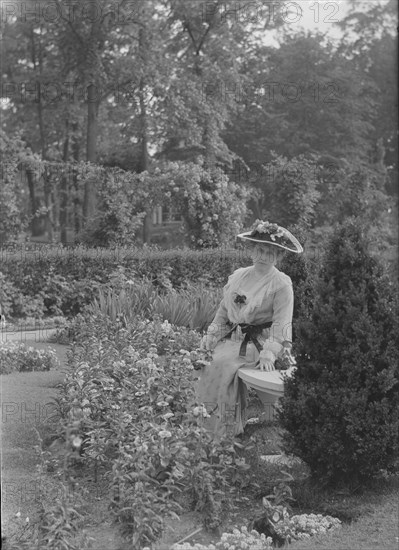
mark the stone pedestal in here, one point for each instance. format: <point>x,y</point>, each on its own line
<point>269,386</point>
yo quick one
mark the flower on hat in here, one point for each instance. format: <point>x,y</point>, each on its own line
<point>267,228</point>
<point>272,234</point>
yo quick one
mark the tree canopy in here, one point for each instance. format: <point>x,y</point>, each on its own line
<point>133,85</point>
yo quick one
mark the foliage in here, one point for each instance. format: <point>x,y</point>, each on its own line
<point>289,192</point>
<point>302,269</point>
<point>69,279</point>
<point>296,91</point>
<point>340,409</point>
<point>212,207</point>
<point>192,306</point>
<point>15,304</point>
<point>135,414</point>
<point>129,302</point>
<point>16,357</point>
<point>43,292</point>
<point>353,190</point>
<point>176,77</point>
<point>119,215</point>
<point>12,211</point>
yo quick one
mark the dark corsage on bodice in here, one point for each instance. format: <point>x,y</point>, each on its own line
<point>240,298</point>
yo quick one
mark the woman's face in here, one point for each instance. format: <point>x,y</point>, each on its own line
<point>262,253</point>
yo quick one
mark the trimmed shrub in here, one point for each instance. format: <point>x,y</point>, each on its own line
<point>66,280</point>
<point>302,272</point>
<point>340,410</point>
<point>79,263</point>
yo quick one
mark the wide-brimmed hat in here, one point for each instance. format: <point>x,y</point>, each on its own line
<point>272,234</point>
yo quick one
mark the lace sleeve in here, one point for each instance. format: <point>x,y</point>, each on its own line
<point>281,329</point>
<point>218,327</point>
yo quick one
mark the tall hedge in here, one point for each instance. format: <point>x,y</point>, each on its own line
<point>341,409</point>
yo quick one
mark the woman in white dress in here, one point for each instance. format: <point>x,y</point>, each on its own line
<point>252,327</point>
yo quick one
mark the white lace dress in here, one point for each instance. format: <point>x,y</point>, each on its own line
<point>245,301</point>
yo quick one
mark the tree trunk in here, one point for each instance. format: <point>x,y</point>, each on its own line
<point>77,207</point>
<point>64,188</point>
<point>36,223</point>
<point>89,202</point>
<point>38,64</point>
<point>93,67</point>
<point>144,157</point>
<point>143,163</point>
<point>48,205</point>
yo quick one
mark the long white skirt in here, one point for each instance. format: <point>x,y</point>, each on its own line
<point>220,389</point>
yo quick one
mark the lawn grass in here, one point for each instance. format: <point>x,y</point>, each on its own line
<point>376,529</point>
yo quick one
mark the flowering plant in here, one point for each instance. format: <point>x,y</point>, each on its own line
<point>200,358</point>
<point>271,232</point>
<point>285,360</point>
<point>306,525</point>
<point>134,414</point>
<point>16,356</point>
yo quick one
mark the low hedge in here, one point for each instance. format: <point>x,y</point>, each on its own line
<point>28,265</point>
<point>61,281</point>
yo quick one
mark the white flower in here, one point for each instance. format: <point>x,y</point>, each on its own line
<point>18,515</point>
<point>77,442</point>
<point>201,411</point>
<point>164,433</point>
<point>162,404</point>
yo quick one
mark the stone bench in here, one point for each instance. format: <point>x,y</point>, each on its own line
<point>268,385</point>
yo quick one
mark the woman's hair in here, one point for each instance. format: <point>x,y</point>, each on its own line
<point>250,245</point>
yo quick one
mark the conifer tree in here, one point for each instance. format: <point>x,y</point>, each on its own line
<point>341,409</point>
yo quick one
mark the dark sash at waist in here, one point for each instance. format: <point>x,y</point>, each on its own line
<point>251,333</point>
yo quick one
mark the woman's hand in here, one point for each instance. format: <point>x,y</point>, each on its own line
<point>267,366</point>
<point>266,361</point>
<point>208,342</point>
